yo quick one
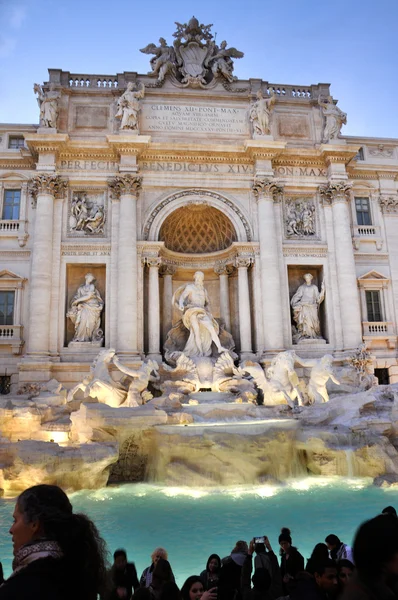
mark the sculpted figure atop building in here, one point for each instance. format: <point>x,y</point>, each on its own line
<point>129,107</point>
<point>334,118</point>
<point>48,104</point>
<point>305,304</point>
<point>194,59</point>
<point>85,312</point>
<point>260,113</point>
<point>193,301</point>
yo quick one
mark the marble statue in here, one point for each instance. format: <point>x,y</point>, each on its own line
<point>221,62</point>
<point>281,383</point>
<point>334,118</point>
<point>137,390</point>
<point>164,60</point>
<point>260,113</point>
<point>48,104</point>
<point>321,372</point>
<point>129,107</point>
<point>194,59</point>
<point>85,312</point>
<point>192,300</point>
<point>305,304</point>
<point>300,219</point>
<point>100,384</point>
<point>86,218</point>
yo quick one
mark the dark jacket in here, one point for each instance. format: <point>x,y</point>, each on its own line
<point>126,578</point>
<point>291,566</point>
<point>307,589</point>
<point>210,580</point>
<point>43,579</point>
<point>275,591</point>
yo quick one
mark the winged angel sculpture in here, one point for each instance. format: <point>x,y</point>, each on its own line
<point>194,58</point>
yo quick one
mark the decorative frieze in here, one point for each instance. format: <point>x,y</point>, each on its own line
<point>270,188</point>
<point>125,184</point>
<point>300,218</point>
<point>388,204</point>
<point>47,184</point>
<point>87,214</point>
<point>335,191</point>
<point>381,151</point>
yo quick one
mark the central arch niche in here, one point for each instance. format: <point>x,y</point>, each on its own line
<point>197,229</point>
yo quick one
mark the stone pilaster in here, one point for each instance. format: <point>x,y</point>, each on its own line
<point>268,190</point>
<point>43,189</point>
<point>167,271</point>
<point>153,308</point>
<point>242,264</point>
<point>224,271</point>
<point>338,194</point>
<point>126,188</point>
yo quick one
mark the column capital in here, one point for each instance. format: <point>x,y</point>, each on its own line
<point>335,191</point>
<point>166,269</point>
<point>223,269</point>
<point>264,187</point>
<point>243,261</point>
<point>125,184</point>
<point>388,204</point>
<point>46,184</point>
<point>153,261</point>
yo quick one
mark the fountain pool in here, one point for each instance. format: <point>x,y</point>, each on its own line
<point>193,523</point>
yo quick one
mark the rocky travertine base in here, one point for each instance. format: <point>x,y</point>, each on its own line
<point>88,444</point>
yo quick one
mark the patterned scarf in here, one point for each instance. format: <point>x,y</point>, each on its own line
<point>31,552</point>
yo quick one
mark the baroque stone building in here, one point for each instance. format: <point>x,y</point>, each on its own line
<point>141,180</point>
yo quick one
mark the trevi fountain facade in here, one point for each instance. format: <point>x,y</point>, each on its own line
<point>198,280</point>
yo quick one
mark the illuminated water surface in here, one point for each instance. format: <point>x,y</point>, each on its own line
<point>193,523</point>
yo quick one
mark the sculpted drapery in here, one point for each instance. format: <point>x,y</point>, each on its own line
<point>85,312</point>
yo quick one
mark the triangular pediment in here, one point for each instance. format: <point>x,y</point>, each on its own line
<point>5,274</point>
<point>372,276</point>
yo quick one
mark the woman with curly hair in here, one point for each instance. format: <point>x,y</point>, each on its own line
<point>58,554</point>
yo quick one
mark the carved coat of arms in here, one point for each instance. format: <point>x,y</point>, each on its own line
<point>194,59</point>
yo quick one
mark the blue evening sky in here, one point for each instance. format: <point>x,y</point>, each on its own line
<point>352,44</point>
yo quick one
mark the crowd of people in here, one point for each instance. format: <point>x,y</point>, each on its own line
<point>59,555</point>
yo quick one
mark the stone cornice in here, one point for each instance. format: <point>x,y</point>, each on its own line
<point>338,153</point>
<point>124,184</point>
<point>46,143</point>
<point>129,144</point>
<point>264,149</point>
<point>211,260</point>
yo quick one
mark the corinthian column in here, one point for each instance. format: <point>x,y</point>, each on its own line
<point>337,193</point>
<point>126,188</point>
<point>153,308</point>
<point>223,271</point>
<point>43,189</point>
<point>242,264</point>
<point>167,271</point>
<point>266,191</point>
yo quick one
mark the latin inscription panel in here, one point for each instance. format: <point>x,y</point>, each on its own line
<point>183,118</point>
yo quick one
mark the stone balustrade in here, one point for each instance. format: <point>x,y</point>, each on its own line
<point>379,328</point>
<point>366,230</point>
<point>8,226</point>
<point>93,81</point>
<point>11,335</point>
<point>89,81</point>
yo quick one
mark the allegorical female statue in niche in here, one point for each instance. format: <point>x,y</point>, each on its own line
<point>85,312</point>
<point>305,304</point>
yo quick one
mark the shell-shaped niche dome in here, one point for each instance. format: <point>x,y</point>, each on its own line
<point>197,229</point>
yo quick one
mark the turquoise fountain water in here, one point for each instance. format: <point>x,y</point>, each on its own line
<point>193,523</point>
